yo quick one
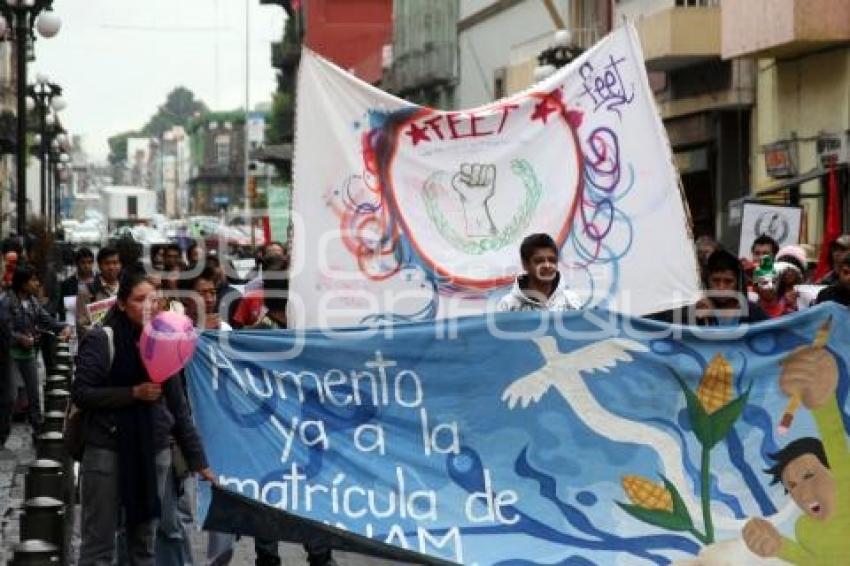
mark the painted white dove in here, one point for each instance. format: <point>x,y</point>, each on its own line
<point>562,370</point>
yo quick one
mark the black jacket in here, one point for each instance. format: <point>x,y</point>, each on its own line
<point>27,318</point>
<point>92,393</point>
<point>687,314</point>
<point>836,293</point>
<point>71,286</point>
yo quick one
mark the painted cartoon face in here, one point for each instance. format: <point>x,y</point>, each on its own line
<point>811,486</point>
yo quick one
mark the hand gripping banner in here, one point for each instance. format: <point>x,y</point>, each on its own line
<point>403,212</point>
<point>528,438</point>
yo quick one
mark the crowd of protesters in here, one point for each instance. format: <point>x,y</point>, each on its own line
<point>141,448</point>
<point>142,451</point>
<point>773,281</point>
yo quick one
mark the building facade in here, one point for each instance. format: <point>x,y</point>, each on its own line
<point>139,162</point>
<point>351,33</point>
<point>741,85</point>
<point>7,139</point>
<point>172,165</point>
<point>705,102</point>
<point>421,65</point>
<point>217,181</point>
<point>499,41</point>
<point>801,124</point>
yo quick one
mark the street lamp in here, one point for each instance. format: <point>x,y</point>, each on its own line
<point>19,17</point>
<point>47,96</point>
<point>561,52</point>
<point>66,168</point>
<point>58,145</point>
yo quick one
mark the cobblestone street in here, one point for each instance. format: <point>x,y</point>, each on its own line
<point>17,455</point>
<point>13,460</point>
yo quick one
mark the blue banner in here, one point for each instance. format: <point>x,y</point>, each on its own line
<point>530,438</point>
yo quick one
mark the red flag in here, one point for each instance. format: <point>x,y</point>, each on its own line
<point>833,224</point>
<point>267,230</point>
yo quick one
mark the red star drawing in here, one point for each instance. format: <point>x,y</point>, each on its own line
<point>548,104</point>
<point>574,118</point>
<point>417,134</point>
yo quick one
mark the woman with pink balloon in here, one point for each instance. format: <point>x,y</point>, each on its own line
<point>131,409</point>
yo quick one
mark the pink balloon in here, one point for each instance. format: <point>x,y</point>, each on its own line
<point>167,344</point>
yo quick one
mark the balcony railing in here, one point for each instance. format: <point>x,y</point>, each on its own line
<point>680,36</point>
<point>783,28</point>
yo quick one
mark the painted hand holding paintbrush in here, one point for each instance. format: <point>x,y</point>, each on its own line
<point>809,376</point>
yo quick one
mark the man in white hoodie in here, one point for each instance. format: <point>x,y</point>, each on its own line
<point>541,287</point>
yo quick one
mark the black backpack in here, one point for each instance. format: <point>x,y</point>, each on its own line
<point>73,430</point>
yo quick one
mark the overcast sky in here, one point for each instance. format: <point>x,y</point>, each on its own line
<point>118,59</point>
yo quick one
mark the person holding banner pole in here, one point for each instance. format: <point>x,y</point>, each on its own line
<point>838,292</point>
<point>128,422</point>
<point>725,302</point>
<point>220,549</point>
<point>173,535</point>
<point>541,287</point>
<point>839,249</point>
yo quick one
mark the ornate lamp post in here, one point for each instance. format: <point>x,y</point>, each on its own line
<point>559,54</point>
<point>59,146</point>
<point>47,96</point>
<point>62,169</point>
<point>55,143</point>
<point>18,17</point>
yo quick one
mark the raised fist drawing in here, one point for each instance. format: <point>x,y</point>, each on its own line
<point>475,183</point>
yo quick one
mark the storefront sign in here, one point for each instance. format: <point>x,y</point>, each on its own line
<point>780,159</point>
<point>833,149</point>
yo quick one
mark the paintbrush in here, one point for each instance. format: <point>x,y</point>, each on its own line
<point>821,338</point>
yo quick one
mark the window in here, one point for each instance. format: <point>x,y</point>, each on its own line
<point>703,78</point>
<point>132,207</point>
<point>222,150</point>
<point>499,76</point>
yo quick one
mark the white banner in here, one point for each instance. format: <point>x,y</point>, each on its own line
<point>404,212</point>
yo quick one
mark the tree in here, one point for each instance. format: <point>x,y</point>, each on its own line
<point>179,108</point>
<point>118,146</point>
<point>280,126</point>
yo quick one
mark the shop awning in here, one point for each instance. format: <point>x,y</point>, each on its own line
<point>278,153</point>
<point>786,184</point>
